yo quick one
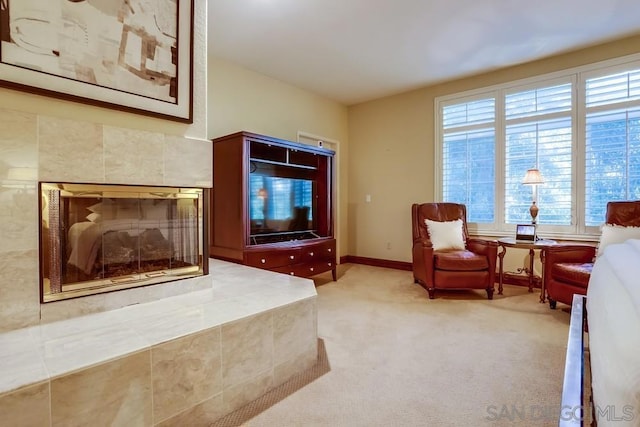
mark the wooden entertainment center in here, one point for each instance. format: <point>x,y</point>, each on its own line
<point>271,204</point>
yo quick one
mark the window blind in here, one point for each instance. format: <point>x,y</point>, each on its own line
<point>612,142</point>
<point>539,134</point>
<point>468,153</point>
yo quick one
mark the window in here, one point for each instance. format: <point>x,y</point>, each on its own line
<point>538,133</point>
<point>612,142</point>
<point>470,140</point>
<point>580,128</point>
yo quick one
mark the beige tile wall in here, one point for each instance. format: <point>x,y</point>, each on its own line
<point>191,380</point>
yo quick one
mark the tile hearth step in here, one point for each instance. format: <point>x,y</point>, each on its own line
<point>276,311</point>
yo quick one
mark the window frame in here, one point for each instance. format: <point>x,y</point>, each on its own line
<point>577,76</point>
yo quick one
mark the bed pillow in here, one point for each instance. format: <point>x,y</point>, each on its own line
<point>612,233</point>
<point>106,209</point>
<point>94,217</point>
<point>445,234</point>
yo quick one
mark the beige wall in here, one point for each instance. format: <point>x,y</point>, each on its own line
<point>391,150</point>
<point>242,100</point>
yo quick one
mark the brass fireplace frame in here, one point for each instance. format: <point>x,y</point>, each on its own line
<point>65,205</point>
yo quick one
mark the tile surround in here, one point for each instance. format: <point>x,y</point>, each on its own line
<point>113,393</point>
<point>27,406</point>
<point>70,151</point>
<point>44,148</point>
<point>133,156</point>
<point>186,371</point>
<point>130,366</point>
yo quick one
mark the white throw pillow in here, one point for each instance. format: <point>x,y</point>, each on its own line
<point>612,233</point>
<point>445,234</point>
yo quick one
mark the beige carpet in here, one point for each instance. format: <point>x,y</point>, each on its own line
<point>389,356</point>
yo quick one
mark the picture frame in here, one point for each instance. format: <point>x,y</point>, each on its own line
<point>134,55</point>
<point>526,232</point>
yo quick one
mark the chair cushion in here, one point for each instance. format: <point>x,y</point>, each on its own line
<point>574,273</point>
<point>460,260</point>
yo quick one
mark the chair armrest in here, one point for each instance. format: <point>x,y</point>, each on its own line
<point>569,253</point>
<point>483,247</point>
<point>488,248</point>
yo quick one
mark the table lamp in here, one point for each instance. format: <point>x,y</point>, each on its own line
<point>533,177</point>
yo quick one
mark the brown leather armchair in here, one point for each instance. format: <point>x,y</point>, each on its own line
<point>567,268</point>
<point>473,267</point>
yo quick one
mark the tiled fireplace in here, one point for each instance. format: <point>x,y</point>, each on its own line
<point>38,148</point>
<point>179,352</point>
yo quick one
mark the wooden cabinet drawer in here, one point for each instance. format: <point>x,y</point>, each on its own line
<point>273,258</point>
<point>306,269</point>
<point>320,251</point>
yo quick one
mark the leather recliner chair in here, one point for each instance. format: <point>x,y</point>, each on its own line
<point>473,267</point>
<point>567,268</point>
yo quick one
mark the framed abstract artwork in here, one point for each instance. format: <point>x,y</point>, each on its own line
<point>131,55</point>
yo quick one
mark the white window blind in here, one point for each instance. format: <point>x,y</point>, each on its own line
<point>539,134</point>
<point>468,153</point>
<point>612,142</point>
<point>469,113</point>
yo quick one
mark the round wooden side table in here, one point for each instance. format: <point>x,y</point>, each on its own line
<point>511,242</point>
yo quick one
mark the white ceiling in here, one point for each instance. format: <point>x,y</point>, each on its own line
<point>357,50</point>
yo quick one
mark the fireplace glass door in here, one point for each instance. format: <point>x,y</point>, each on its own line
<point>100,238</point>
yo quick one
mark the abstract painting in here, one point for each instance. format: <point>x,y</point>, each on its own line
<point>133,55</point>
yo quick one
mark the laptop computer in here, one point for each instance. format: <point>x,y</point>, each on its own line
<point>526,233</point>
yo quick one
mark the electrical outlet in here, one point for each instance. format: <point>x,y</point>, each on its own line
<point>388,245</point>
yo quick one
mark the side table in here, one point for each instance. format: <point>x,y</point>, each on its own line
<point>510,242</point>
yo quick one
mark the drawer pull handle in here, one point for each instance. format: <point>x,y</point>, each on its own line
<point>292,273</point>
<point>329,264</point>
<point>291,257</point>
<point>329,249</point>
<point>311,269</point>
<point>311,253</point>
<point>263,260</point>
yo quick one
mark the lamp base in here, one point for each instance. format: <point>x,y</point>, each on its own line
<point>533,210</point>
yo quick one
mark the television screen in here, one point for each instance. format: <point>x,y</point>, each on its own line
<point>280,205</point>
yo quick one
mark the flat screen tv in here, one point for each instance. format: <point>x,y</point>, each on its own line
<point>281,208</point>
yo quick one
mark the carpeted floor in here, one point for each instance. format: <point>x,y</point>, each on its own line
<point>389,356</point>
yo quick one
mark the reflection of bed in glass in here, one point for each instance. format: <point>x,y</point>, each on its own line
<point>281,209</point>
<point>139,237</point>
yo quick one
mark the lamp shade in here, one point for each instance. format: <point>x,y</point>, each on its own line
<point>533,176</point>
